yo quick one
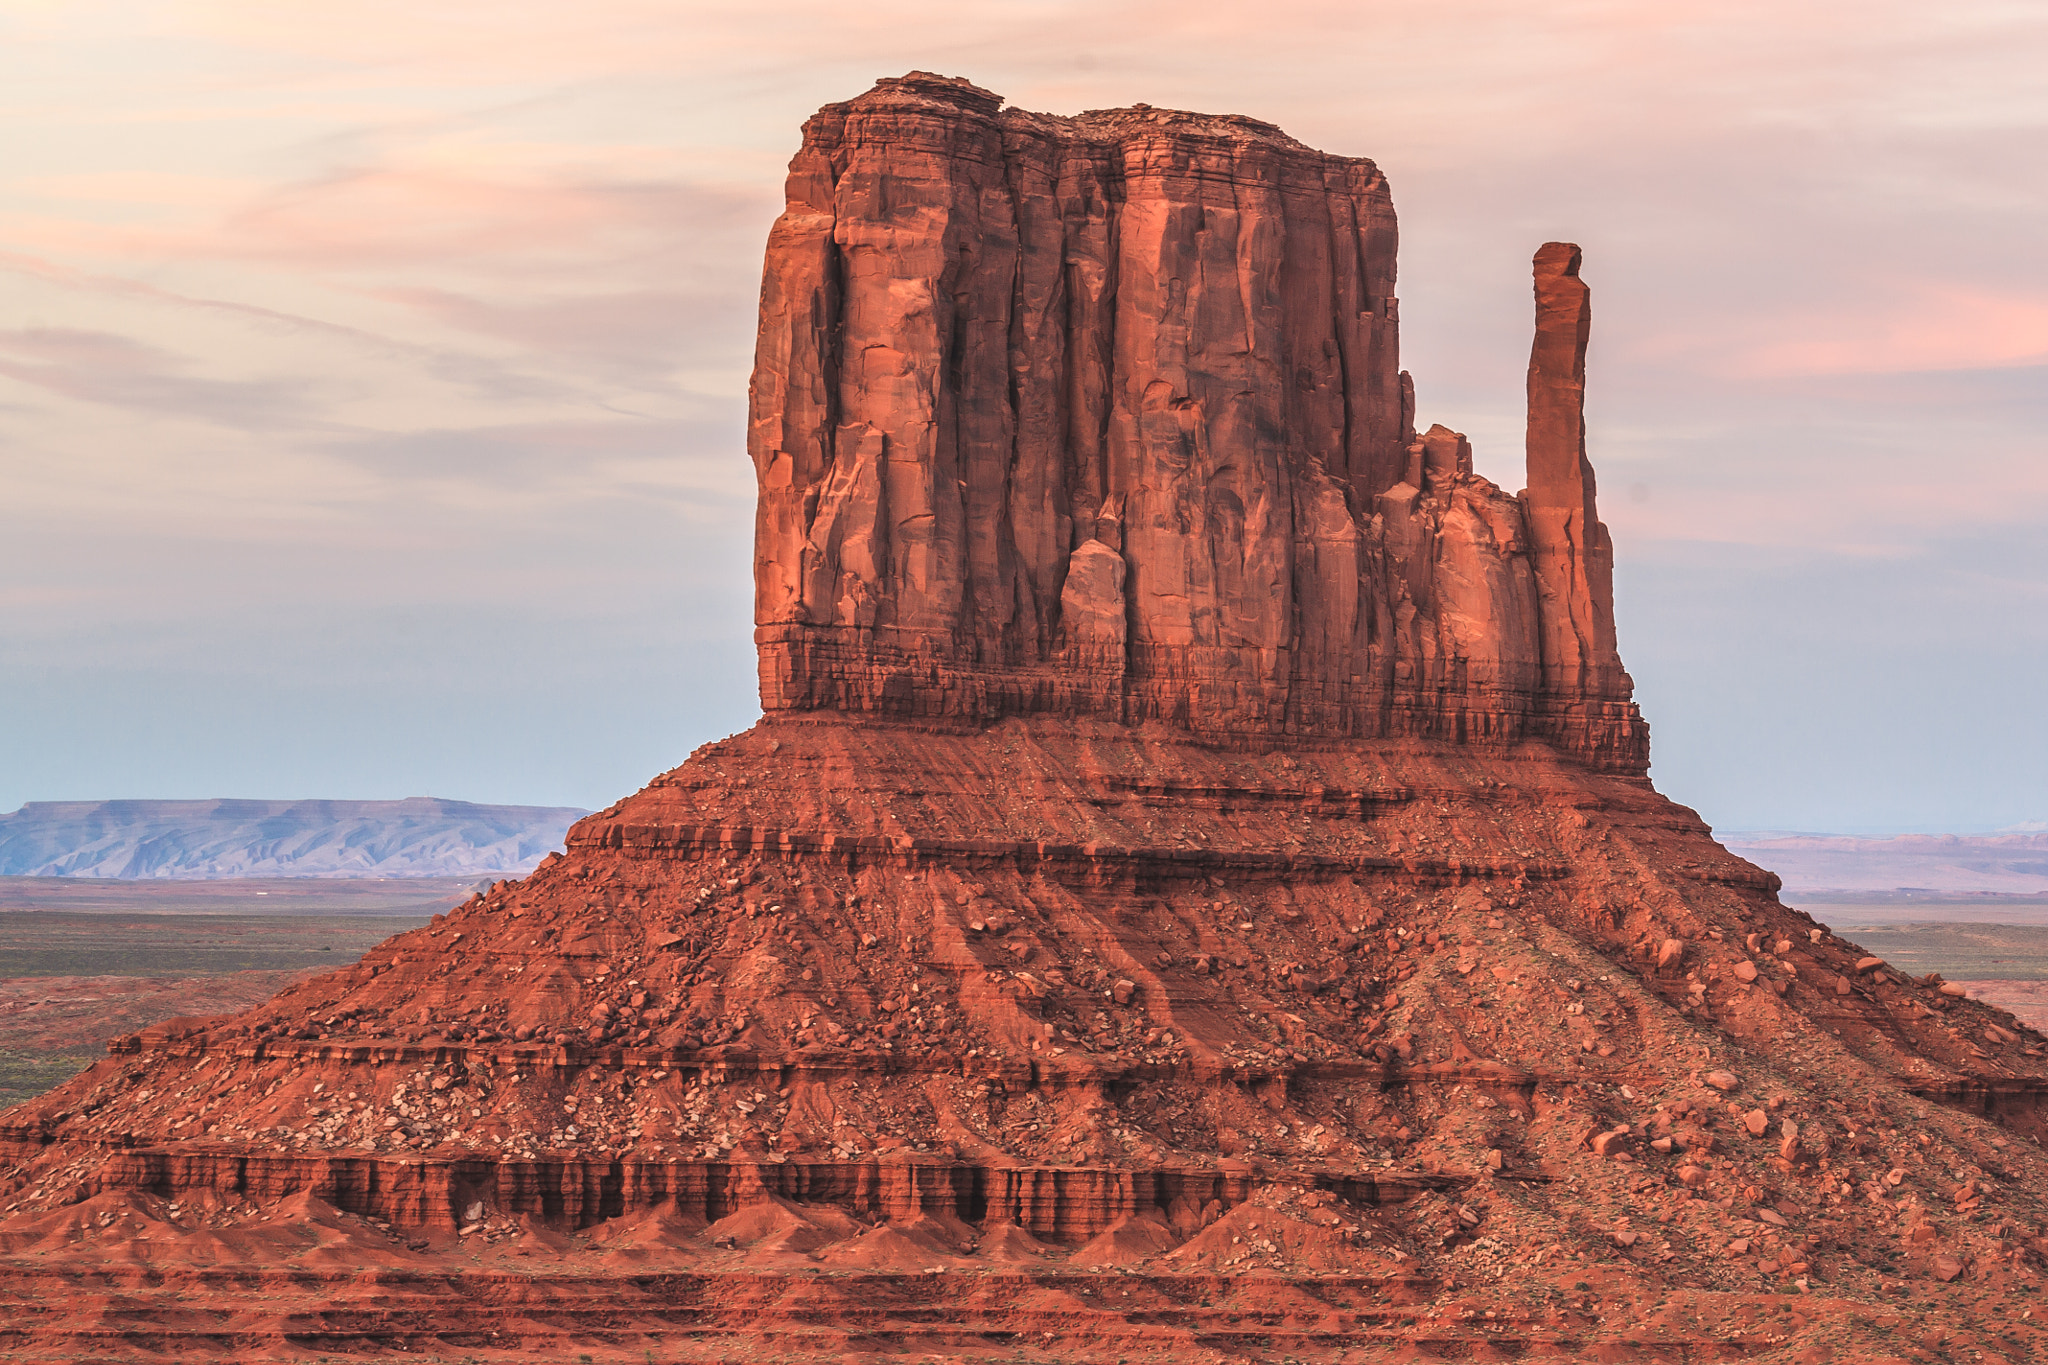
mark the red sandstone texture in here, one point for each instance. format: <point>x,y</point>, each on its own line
<point>1239,925</point>
<point>1104,416</point>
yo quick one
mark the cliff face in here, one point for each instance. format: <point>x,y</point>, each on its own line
<point>1103,415</point>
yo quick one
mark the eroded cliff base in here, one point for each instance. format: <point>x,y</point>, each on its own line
<point>1063,1040</point>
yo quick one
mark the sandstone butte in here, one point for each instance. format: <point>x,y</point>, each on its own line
<point>1194,893</point>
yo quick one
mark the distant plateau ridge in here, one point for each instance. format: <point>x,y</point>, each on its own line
<point>420,836</point>
<point>2013,863</point>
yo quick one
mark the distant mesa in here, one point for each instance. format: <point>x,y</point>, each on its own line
<point>2007,863</point>
<point>420,836</point>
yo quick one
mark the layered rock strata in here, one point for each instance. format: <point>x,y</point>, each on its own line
<point>1030,1013</point>
<point>1414,1029</point>
<point>1104,416</point>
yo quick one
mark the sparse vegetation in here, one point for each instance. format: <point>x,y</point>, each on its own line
<point>24,1075</point>
<point>62,943</point>
<point>1959,951</point>
<point>58,1009</point>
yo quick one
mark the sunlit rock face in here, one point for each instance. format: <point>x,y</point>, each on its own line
<point>1104,416</point>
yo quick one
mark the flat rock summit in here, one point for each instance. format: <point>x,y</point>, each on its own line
<point>1194,892</point>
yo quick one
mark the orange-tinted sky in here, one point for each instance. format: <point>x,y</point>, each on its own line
<point>371,376</point>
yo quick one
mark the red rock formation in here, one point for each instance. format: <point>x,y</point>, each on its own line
<point>1103,415</point>
<point>1074,910</point>
<point>1573,556</point>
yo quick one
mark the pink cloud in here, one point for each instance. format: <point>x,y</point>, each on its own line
<point>98,367</point>
<point>1894,329</point>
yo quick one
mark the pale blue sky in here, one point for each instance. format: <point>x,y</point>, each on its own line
<point>371,378</point>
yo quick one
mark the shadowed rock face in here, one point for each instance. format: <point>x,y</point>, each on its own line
<point>1103,415</point>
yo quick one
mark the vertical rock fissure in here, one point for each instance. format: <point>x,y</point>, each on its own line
<point>1340,345</point>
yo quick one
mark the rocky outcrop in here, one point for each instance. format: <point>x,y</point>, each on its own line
<point>1103,415</point>
<point>1058,995</point>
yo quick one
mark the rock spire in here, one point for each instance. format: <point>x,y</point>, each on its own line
<point>1573,555</point>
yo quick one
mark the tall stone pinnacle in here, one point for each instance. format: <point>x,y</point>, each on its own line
<point>1572,553</point>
